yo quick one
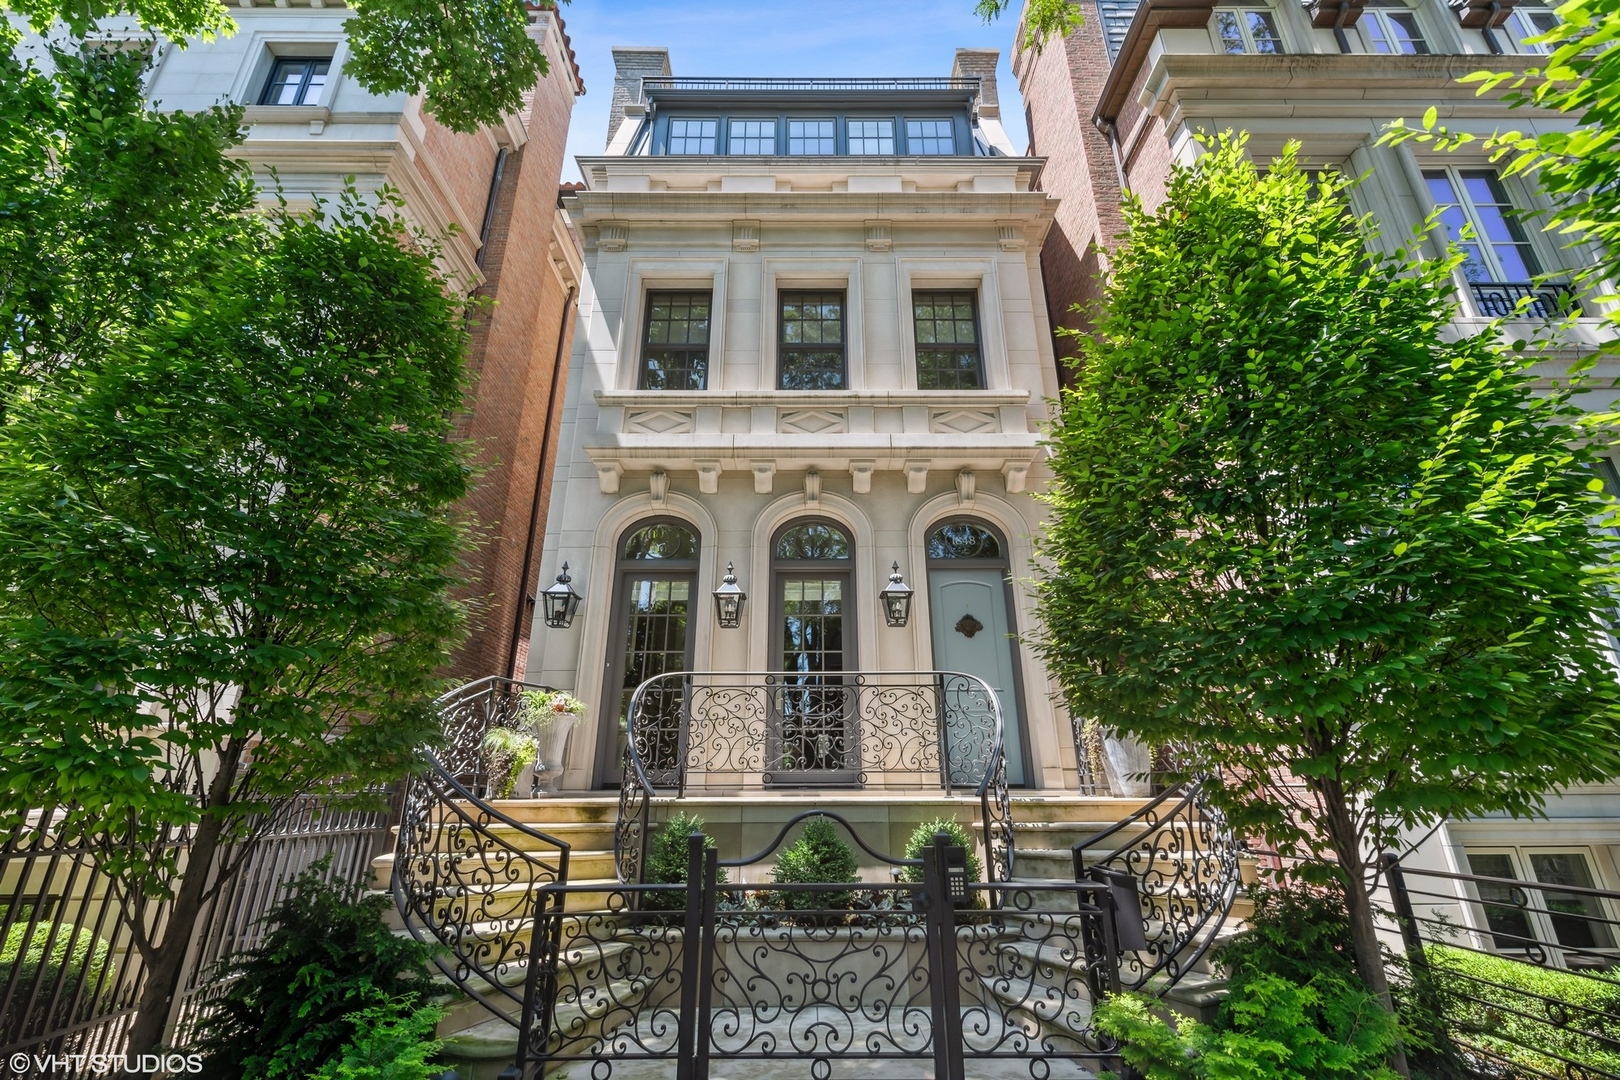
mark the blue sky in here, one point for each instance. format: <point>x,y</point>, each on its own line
<point>848,38</point>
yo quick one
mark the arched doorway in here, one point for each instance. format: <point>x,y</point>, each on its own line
<point>813,740</point>
<point>970,606</point>
<point>655,582</point>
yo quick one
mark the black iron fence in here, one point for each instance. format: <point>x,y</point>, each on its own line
<point>904,731</point>
<point>940,977</point>
<point>1524,975</point>
<point>70,972</point>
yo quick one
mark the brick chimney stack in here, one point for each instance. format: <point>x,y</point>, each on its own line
<point>631,64</point>
<point>980,62</point>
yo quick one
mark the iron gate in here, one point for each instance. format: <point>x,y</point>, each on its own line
<point>911,978</point>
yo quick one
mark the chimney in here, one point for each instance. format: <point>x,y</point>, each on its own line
<point>632,63</point>
<point>980,62</point>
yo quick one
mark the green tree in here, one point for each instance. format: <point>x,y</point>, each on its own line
<point>1298,532</point>
<point>1576,168</point>
<point>225,536</point>
<point>1044,20</point>
<point>473,59</point>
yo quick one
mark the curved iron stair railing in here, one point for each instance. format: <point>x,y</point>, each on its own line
<point>1186,870</point>
<point>905,724</point>
<point>465,874</point>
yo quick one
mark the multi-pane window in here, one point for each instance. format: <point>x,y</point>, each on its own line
<point>810,350</point>
<point>871,136</point>
<point>751,137</point>
<point>1497,248</point>
<point>812,137</point>
<point>813,725</point>
<point>692,136</point>
<point>1526,23</point>
<point>929,137</point>
<point>1247,30</point>
<point>296,80</point>
<point>1520,916</point>
<point>948,355</point>
<point>1393,30</point>
<point>675,346</point>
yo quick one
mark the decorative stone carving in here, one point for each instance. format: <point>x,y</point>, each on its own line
<point>745,236</point>
<point>611,236</point>
<point>877,236</point>
<point>812,488</point>
<point>963,421</point>
<point>708,477</point>
<point>764,474</point>
<point>967,486</point>
<point>607,477</point>
<point>860,473</point>
<point>658,486</point>
<point>658,422</point>
<point>1014,473</point>
<point>1010,237</point>
<point>916,477</point>
<point>813,422</point>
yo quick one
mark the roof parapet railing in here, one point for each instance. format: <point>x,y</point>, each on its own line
<point>653,83</point>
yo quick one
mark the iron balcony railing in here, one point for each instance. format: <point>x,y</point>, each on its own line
<point>903,731</point>
<point>657,83</point>
<point>1525,299</point>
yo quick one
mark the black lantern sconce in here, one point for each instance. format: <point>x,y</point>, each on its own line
<point>561,601</point>
<point>896,599</point>
<point>728,600</point>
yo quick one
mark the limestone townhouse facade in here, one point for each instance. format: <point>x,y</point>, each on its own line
<point>813,351</point>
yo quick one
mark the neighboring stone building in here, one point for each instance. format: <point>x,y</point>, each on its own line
<point>813,346</point>
<point>1114,105</point>
<point>512,246</point>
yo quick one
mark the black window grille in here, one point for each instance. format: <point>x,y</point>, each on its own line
<point>296,80</point>
<point>675,344</point>
<point>948,352</point>
<point>811,343</point>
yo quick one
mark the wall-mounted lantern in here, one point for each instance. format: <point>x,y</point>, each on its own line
<point>561,601</point>
<point>896,599</point>
<point>728,600</point>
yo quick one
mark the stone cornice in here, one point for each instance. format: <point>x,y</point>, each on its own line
<point>592,206</point>
<point>1151,17</point>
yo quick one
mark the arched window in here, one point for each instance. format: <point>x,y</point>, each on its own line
<point>655,585</point>
<point>964,540</point>
<point>813,636</point>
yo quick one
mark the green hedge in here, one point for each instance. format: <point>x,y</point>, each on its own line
<point>73,958</point>
<point>923,836</point>
<point>666,860</point>
<point>1485,996</point>
<point>818,857</point>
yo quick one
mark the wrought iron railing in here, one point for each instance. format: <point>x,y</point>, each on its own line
<point>465,873</point>
<point>891,731</point>
<point>956,978</point>
<point>1524,976</point>
<point>1184,859</point>
<point>1526,299</point>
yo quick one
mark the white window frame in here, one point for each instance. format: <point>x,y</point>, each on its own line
<point>1381,17</point>
<point>1243,29</point>
<point>1454,175</point>
<point>1541,927</point>
<point>1518,28</point>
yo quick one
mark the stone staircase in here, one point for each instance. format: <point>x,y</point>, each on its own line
<point>479,1043</point>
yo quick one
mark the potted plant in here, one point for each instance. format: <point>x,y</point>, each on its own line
<point>552,716</point>
<point>508,751</point>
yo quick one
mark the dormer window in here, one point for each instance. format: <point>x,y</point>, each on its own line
<point>1247,30</point>
<point>750,137</point>
<point>1393,30</point>
<point>296,80</point>
<point>692,136</point>
<point>871,136</point>
<point>930,137</point>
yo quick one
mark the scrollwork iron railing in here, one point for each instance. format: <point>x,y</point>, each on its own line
<point>466,875</point>
<point>891,731</point>
<point>1540,300</point>
<point>1184,859</point>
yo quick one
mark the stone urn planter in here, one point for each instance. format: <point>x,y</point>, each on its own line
<point>553,745</point>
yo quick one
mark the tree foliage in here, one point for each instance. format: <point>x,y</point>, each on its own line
<point>1576,168</point>
<point>1044,20</point>
<point>225,536</point>
<point>472,59</point>
<point>1297,531</point>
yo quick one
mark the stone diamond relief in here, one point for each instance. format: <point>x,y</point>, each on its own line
<point>813,422</point>
<point>659,422</point>
<point>964,421</point>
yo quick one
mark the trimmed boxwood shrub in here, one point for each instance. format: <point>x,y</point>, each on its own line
<point>818,857</point>
<point>923,835</point>
<point>1484,996</point>
<point>666,860</point>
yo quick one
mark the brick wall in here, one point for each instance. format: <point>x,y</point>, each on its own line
<point>1060,85</point>
<point>513,366</point>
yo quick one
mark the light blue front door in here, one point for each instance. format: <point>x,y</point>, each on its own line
<point>968,607</point>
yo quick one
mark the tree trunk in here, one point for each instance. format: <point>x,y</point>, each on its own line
<point>1363,933</point>
<point>163,978</point>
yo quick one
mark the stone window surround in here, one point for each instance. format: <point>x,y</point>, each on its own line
<point>979,275</point>
<point>792,274</point>
<point>649,275</point>
<point>1418,11</point>
<point>266,44</point>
